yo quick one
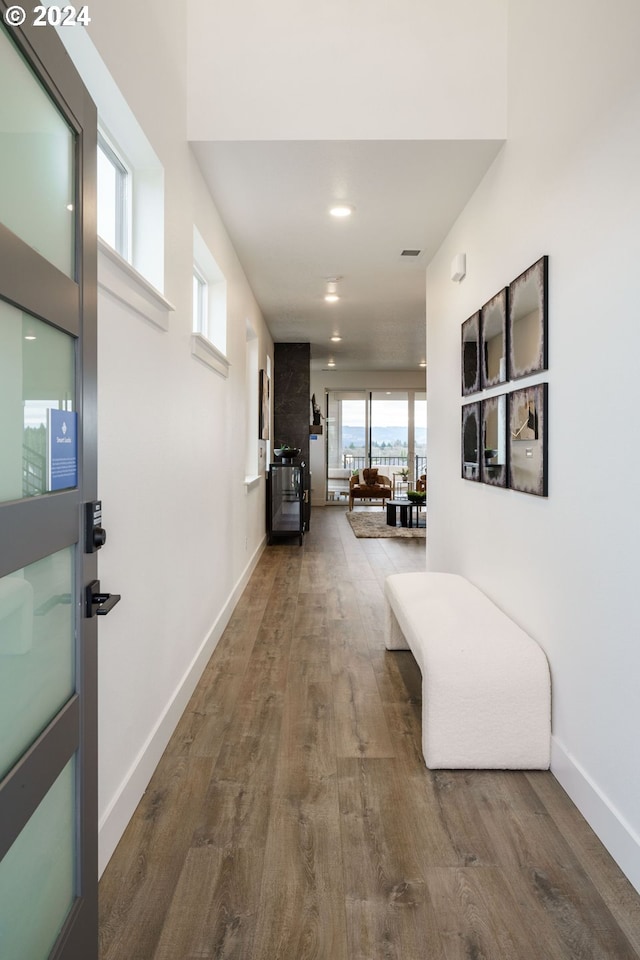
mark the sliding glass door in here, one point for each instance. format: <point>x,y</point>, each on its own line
<point>383,428</point>
<point>347,432</point>
<point>420,433</point>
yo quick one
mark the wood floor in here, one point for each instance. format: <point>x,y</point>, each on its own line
<point>292,816</point>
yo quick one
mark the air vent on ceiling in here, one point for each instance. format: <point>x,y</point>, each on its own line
<point>410,253</point>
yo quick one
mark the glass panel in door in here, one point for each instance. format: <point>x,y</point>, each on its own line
<point>420,433</point>
<point>392,438</point>
<point>347,432</point>
<point>36,389</point>
<point>37,651</point>
<point>37,875</point>
<point>37,186</point>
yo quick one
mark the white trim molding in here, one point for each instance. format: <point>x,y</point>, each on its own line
<point>119,280</point>
<point>204,350</point>
<point>610,826</point>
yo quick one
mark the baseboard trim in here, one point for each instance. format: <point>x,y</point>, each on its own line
<point>620,839</point>
<point>115,819</point>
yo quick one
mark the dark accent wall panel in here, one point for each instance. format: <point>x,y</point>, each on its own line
<point>291,395</point>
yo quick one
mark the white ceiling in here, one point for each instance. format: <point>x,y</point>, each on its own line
<point>274,197</point>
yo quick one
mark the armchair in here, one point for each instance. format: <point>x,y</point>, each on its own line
<point>369,485</point>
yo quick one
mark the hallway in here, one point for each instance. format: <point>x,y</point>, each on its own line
<point>292,817</point>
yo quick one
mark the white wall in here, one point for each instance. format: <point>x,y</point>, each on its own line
<point>412,69</point>
<point>323,380</point>
<point>183,527</point>
<point>565,184</point>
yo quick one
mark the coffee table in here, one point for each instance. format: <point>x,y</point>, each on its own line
<point>406,508</point>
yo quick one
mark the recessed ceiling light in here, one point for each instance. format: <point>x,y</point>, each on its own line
<point>331,297</point>
<point>423,363</point>
<point>30,336</point>
<point>69,207</point>
<point>331,363</point>
<point>336,339</point>
<point>341,210</point>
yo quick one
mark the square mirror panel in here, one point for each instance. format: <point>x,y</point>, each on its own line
<point>471,355</point>
<point>493,464</point>
<point>470,441</point>
<point>493,328</point>
<point>528,321</point>
<point>528,440</point>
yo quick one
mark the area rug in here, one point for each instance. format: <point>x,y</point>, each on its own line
<point>374,525</point>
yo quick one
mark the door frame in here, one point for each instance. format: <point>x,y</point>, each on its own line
<point>36,527</point>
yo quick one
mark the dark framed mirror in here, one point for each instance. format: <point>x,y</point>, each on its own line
<point>470,441</point>
<point>493,420</point>
<point>493,337</point>
<point>528,321</point>
<point>470,355</point>
<point>528,441</point>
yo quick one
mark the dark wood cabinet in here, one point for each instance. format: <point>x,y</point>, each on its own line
<point>287,501</point>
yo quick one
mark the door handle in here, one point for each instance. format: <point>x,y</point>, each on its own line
<point>97,603</point>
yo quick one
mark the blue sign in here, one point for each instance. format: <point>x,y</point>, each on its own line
<point>62,449</point>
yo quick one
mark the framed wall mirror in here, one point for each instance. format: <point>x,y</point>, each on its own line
<point>470,354</point>
<point>493,420</point>
<point>528,321</point>
<point>493,331</point>
<point>470,441</point>
<point>527,453</point>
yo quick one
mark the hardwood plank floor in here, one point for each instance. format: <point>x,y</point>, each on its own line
<point>292,817</point>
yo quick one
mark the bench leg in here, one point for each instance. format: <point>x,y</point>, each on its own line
<point>393,636</point>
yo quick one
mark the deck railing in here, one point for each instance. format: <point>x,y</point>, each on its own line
<point>357,462</point>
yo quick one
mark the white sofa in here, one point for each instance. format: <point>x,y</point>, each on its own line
<point>486,692</point>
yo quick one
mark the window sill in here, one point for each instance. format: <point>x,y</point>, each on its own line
<point>205,351</point>
<point>118,279</point>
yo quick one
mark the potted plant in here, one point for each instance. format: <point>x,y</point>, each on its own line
<point>286,453</point>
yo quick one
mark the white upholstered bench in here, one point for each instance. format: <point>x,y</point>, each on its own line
<point>486,691</point>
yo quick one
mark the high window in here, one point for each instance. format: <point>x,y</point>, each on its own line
<point>114,198</point>
<point>209,323</point>
<point>209,296</point>
<point>130,177</point>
